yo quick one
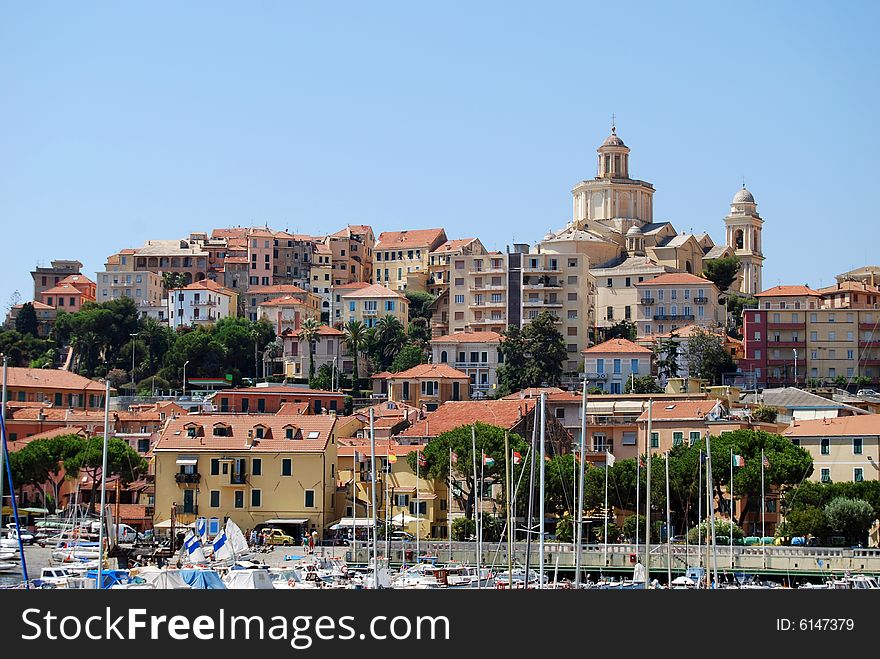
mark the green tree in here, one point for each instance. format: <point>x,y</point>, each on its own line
<point>644,384</point>
<point>22,349</point>
<point>26,321</point>
<point>411,355</point>
<point>239,338</point>
<point>722,272</point>
<point>206,356</point>
<point>765,413</point>
<point>354,335</point>
<point>309,333</point>
<point>667,353</point>
<point>148,385</point>
<point>706,356</point>
<point>420,304</point>
<point>464,529</point>
<point>622,329</point>
<point>511,373</point>
<point>392,338</point>
<point>41,462</point>
<point>533,356</point>
<point>722,532</point>
<point>122,461</point>
<point>489,441</point>
<point>117,377</point>
<point>852,517</point>
<point>323,378</point>
<point>172,280</point>
<point>806,521</point>
<point>419,332</point>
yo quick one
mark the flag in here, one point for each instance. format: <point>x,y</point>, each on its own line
<point>609,458</point>
<point>202,527</point>
<point>423,461</point>
<point>702,457</point>
<point>453,456</point>
<point>517,458</point>
<point>193,546</point>
<point>765,461</point>
<point>392,458</point>
<point>738,461</point>
<point>488,460</point>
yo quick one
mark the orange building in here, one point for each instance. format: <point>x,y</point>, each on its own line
<point>70,293</point>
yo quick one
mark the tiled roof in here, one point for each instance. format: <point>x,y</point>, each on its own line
<point>49,378</point>
<point>76,279</point>
<point>174,436</point>
<point>502,413</point>
<point>409,238</point>
<point>532,392</point>
<point>617,345</point>
<point>854,286</point>
<point>293,409</point>
<point>788,291</point>
<point>685,332</point>
<point>352,286</point>
<point>280,289</point>
<point>452,245</point>
<point>280,390</point>
<point>236,259</point>
<point>285,301</point>
<point>842,426</point>
<point>441,371</point>
<point>374,290</point>
<point>387,408</point>
<point>37,306</point>
<point>207,285</point>
<point>49,434</point>
<point>63,289</point>
<point>469,337</point>
<point>674,278</point>
<point>323,330</point>
<point>348,446</point>
<point>680,410</point>
<point>56,414</point>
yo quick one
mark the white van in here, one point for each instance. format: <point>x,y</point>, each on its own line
<point>124,532</point>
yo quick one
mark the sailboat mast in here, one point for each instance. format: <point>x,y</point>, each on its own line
<point>580,502</point>
<point>3,443</point>
<point>543,485</point>
<point>648,498</point>
<point>476,497</point>
<point>668,527</point>
<point>532,450</point>
<point>509,487</point>
<point>730,530</point>
<point>103,483</point>
<point>418,506</point>
<point>449,505</point>
<point>373,488</point>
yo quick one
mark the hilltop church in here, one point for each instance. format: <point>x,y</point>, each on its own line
<point>613,223</point>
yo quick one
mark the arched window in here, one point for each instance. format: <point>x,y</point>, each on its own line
<point>688,267</point>
<point>738,239</point>
<point>443,357</point>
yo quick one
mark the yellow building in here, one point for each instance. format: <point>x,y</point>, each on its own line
<point>373,302</point>
<point>845,449</point>
<point>402,258</point>
<point>428,385</point>
<point>250,468</point>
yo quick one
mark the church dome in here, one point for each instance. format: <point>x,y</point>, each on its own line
<point>743,197</point>
<point>549,236</point>
<point>633,231</point>
<point>613,139</point>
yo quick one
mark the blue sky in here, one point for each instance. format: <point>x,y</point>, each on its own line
<point>121,122</point>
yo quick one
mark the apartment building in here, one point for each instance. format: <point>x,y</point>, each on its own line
<point>617,297</point>
<point>673,300</point>
<point>251,469</point>
<point>70,293</point>
<point>373,302</point>
<point>351,254</point>
<point>261,295</point>
<point>271,399</point>
<point>329,349</point>
<point>845,449</point>
<point>428,385</point>
<point>289,311</point>
<point>477,294</point>
<point>261,257</point>
<point>610,365</point>
<point>186,256</point>
<point>321,274</point>
<point>441,262</point>
<point>46,277</point>
<point>201,303</point>
<point>476,354</point>
<point>402,258</point>
<point>799,335</point>
<point>337,313</point>
<point>120,279</point>
<point>292,258</point>
<point>55,387</point>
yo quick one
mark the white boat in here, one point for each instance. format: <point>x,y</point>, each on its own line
<point>161,578</point>
<point>8,567</point>
<point>254,579</point>
<point>465,576</point>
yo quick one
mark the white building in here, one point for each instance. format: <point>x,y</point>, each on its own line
<point>201,303</point>
<point>611,364</point>
<point>473,353</point>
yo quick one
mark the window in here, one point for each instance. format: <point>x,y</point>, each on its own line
<point>616,367</point>
<point>695,436</point>
<point>286,467</point>
<point>288,433</point>
<point>401,500</point>
<point>858,475</point>
<point>634,366</point>
<point>826,475</point>
<point>600,366</point>
<point>857,445</point>
<point>560,412</point>
<point>257,467</point>
<point>256,498</point>
<point>655,440</point>
<point>429,388</point>
<point>215,499</point>
<point>215,466</point>
<point>677,438</point>
<point>310,498</point>
<point>825,446</point>
<point>239,498</point>
<point>459,299</point>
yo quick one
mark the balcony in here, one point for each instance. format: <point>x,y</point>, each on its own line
<point>472,365</point>
<point>203,303</point>
<point>549,269</point>
<point>596,376</point>
<point>674,317</point>
<point>489,321</point>
<point>487,271</point>
<point>870,327</point>
<point>785,326</point>
<point>786,344</point>
<point>489,287</point>
<point>647,300</point>
<point>370,312</point>
<point>872,343</point>
<point>872,361</point>
<point>540,285</point>
<point>541,303</point>
<point>187,478</point>
<point>184,509</point>
<point>701,300</point>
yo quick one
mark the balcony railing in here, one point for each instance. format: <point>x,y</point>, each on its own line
<point>785,326</point>
<point>786,344</point>
<point>481,364</point>
<point>187,478</point>
<point>185,509</point>
<point>596,376</point>
<point>701,300</point>
<point>238,479</point>
<point>673,317</point>
<point>647,300</point>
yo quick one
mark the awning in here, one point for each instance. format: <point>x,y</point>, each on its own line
<point>424,496</point>
<point>188,461</point>
<point>349,522</point>
<point>167,525</point>
<point>302,520</point>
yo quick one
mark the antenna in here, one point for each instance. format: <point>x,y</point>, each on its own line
<point>613,124</point>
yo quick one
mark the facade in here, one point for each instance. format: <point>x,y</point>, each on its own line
<point>321,274</point>
<point>474,353</point>
<point>402,258</point>
<point>186,257</point>
<point>743,225</point>
<point>292,259</point>
<point>674,300</point>
<point>272,399</point>
<point>330,349</point>
<point>45,317</point>
<point>440,274</point>
<point>373,302</point>
<point>70,293</point>
<point>682,336</point>
<point>289,312</point>
<point>120,279</point>
<point>251,469</point>
<point>679,422</point>
<point>48,277</point>
<point>845,449</point>
<point>611,364</point>
<point>201,303</point>
<point>351,254</point>
<point>337,312</point>
<point>261,257</point>
<point>428,385</point>
<point>55,387</point>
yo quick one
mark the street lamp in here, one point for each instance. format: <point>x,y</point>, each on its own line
<point>794,350</point>
<point>184,377</point>
<point>132,358</point>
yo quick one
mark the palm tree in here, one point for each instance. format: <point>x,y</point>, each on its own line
<point>309,332</point>
<point>392,336</point>
<point>354,334</point>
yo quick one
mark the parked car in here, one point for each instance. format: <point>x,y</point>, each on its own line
<point>27,537</point>
<point>867,392</point>
<point>276,537</point>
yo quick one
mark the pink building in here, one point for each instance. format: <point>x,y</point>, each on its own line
<point>70,293</point>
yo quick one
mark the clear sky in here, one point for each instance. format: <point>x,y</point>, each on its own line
<point>121,122</point>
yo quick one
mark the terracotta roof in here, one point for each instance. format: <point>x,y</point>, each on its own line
<point>617,345</point>
<point>280,289</point>
<point>842,426</point>
<point>469,337</point>
<point>293,409</point>
<point>383,375</point>
<point>502,413</point>
<point>348,446</point>
<point>386,409</point>
<point>680,410</point>
<point>532,392</point>
<point>374,290</point>
<point>207,285</point>
<point>48,434</point>
<point>37,305</point>
<point>442,371</point>
<point>236,259</point>
<point>49,378</point>
<point>232,232</point>
<point>285,301</point>
<point>57,414</point>
<point>352,286</point>
<point>76,279</point>
<point>352,228</point>
<point>451,245</point>
<point>788,291</point>
<point>281,389</point>
<point>323,330</point>
<point>849,285</point>
<point>174,436</point>
<point>672,278</point>
<point>685,332</point>
<point>409,238</point>
<point>63,289</point>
